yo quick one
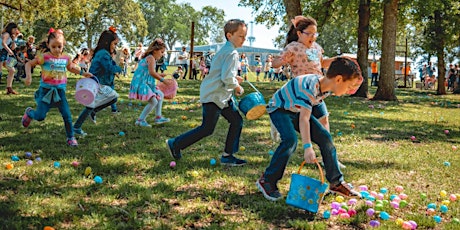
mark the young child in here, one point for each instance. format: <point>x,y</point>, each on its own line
<point>305,56</point>
<point>53,82</point>
<point>244,62</point>
<point>216,98</point>
<point>290,110</point>
<point>143,85</point>
<point>258,68</point>
<point>104,68</point>
<point>7,47</point>
<point>177,74</point>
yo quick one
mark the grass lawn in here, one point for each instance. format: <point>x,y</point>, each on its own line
<point>141,191</point>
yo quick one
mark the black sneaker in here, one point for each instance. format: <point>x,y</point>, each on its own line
<point>231,161</point>
<point>270,192</point>
<point>175,154</point>
<point>344,189</point>
<point>92,116</point>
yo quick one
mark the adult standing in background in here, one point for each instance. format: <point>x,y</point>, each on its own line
<point>182,60</point>
<point>375,73</point>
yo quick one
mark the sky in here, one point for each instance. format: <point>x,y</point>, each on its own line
<point>264,37</point>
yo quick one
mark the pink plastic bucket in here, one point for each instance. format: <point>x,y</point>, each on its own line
<point>86,91</point>
<point>170,89</point>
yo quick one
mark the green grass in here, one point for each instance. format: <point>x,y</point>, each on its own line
<point>141,191</point>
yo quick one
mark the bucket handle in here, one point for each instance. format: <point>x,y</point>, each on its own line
<point>319,168</point>
<point>252,86</point>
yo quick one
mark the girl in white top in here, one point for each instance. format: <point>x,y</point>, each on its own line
<point>7,45</point>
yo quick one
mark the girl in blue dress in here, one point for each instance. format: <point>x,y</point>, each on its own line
<point>143,85</point>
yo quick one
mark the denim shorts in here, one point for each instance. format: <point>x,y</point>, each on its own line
<point>320,110</point>
<point>3,55</point>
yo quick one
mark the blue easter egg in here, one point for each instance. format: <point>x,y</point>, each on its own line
<point>121,133</point>
<point>56,164</point>
<point>271,152</point>
<point>383,190</point>
<point>14,158</point>
<point>326,214</point>
<point>28,155</point>
<point>339,134</point>
<point>384,216</point>
<point>446,163</point>
<point>38,159</point>
<point>444,208</point>
<point>437,219</point>
<point>431,205</point>
<point>393,196</point>
<point>98,180</point>
<point>212,161</point>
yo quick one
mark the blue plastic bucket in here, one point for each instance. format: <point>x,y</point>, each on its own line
<point>253,105</point>
<point>306,193</point>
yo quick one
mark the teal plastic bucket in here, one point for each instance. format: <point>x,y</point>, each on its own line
<point>253,105</point>
<point>306,193</point>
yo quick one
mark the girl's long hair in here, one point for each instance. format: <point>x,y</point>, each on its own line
<point>9,28</point>
<point>298,24</point>
<point>106,38</point>
<point>157,44</point>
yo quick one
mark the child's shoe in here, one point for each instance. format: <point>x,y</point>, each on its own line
<point>344,189</point>
<point>92,117</point>
<point>116,112</point>
<point>142,123</point>
<point>175,154</point>
<point>26,119</point>
<point>231,161</point>
<point>72,142</point>
<point>270,192</point>
<point>161,120</point>
<point>79,132</point>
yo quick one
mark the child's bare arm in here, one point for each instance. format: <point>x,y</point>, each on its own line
<point>304,126</point>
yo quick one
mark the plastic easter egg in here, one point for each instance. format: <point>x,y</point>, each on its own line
<point>453,197</point>
<point>386,202</point>
<point>393,196</point>
<point>380,196</point>
<point>446,131</point>
<point>403,196</point>
<point>413,223</point>
<point>172,164</point>
<point>384,216</point>
<point>339,199</point>
<point>402,204</point>
<point>443,193</point>
<point>399,188</point>
<point>88,171</point>
<point>369,197</point>
<point>454,147</point>
<point>184,117</point>
<point>9,166</point>
<point>344,215</point>
<point>38,159</point>
<point>363,187</point>
<point>423,196</point>
<point>28,155</point>
<point>456,220</point>
<point>56,164</point>
<point>48,228</point>
<point>374,223</point>
<point>399,221</point>
<point>383,190</point>
<point>406,225</point>
<point>443,208</point>
<point>352,212</point>
<point>98,180</point>
<point>326,214</point>
<point>379,207</point>
<point>342,210</point>
<point>445,202</point>
<point>335,212</point>
<point>446,163</point>
<point>369,203</point>
<point>352,201</point>
<point>370,212</point>
<point>29,162</point>
<point>373,193</point>
<point>242,148</point>
<point>394,204</point>
<point>336,205</point>
<point>271,152</point>
<point>430,211</point>
<point>212,161</point>
<point>195,173</point>
<point>413,138</point>
<point>431,205</point>
<point>14,158</point>
<point>437,219</point>
<point>364,194</point>
<point>75,164</point>
<point>121,133</point>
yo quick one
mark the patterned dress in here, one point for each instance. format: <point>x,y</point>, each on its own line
<point>143,86</point>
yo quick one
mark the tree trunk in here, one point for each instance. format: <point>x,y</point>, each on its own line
<point>386,89</point>
<point>364,13</point>
<point>439,33</point>
<point>292,8</point>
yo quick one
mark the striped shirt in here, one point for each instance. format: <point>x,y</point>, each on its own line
<point>54,69</point>
<point>302,91</point>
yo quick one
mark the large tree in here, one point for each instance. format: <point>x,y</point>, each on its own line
<point>363,45</point>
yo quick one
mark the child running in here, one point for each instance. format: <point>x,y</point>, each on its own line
<point>53,82</point>
<point>104,68</point>
<point>143,85</point>
<point>7,45</point>
<point>290,110</point>
<point>216,98</point>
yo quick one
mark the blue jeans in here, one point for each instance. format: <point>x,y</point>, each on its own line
<point>114,105</point>
<point>42,109</point>
<point>87,111</point>
<point>211,114</point>
<point>287,123</point>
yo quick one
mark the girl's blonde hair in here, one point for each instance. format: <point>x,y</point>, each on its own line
<point>157,44</point>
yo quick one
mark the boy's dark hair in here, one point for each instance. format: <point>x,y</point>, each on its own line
<point>232,26</point>
<point>9,28</point>
<point>106,38</point>
<point>346,67</point>
<point>299,24</point>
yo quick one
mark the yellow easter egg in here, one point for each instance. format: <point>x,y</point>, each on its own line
<point>242,148</point>
<point>443,193</point>
<point>446,202</point>
<point>399,221</point>
<point>88,171</point>
<point>339,199</point>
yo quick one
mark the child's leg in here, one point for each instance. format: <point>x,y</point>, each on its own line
<point>66,115</point>
<point>284,122</point>
<point>323,139</point>
<point>42,107</point>
<point>233,117</point>
<point>148,108</point>
<point>211,113</point>
<point>159,105</point>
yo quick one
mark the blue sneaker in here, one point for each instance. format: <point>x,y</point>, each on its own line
<point>175,154</point>
<point>231,161</point>
<point>79,132</point>
<point>161,120</point>
<point>142,123</point>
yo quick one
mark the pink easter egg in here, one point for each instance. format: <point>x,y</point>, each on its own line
<point>342,210</point>
<point>394,204</point>
<point>413,138</point>
<point>454,147</point>
<point>344,215</point>
<point>373,193</point>
<point>413,223</point>
<point>336,205</point>
<point>363,187</point>
<point>380,196</point>
<point>400,188</point>
<point>369,203</point>
<point>172,164</point>
<point>334,212</point>
<point>352,212</point>
<point>403,196</point>
<point>396,199</point>
<point>352,201</point>
<point>406,225</point>
<point>453,197</point>
<point>446,131</point>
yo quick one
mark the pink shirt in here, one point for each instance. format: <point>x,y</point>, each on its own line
<point>54,69</point>
<point>304,60</point>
